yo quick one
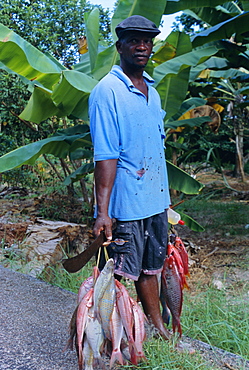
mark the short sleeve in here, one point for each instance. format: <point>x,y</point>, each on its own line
<point>104,125</point>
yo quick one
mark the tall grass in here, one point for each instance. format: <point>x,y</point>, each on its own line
<point>162,355</point>
<point>219,318</point>
<point>57,276</point>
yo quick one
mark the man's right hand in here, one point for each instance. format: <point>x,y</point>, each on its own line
<point>103,222</point>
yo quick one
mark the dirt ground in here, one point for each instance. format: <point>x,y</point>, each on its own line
<point>211,255</point>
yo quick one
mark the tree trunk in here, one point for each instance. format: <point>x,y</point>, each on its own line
<point>239,139</point>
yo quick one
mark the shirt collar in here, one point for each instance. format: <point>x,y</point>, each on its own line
<point>117,71</point>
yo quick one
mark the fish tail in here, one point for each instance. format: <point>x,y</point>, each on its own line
<point>80,363</point>
<point>97,316</point>
<point>134,357</point>
<point>185,285</point>
<point>176,325</point>
<point>137,357</point>
<point>116,357</point>
<point>98,363</point>
<point>132,346</point>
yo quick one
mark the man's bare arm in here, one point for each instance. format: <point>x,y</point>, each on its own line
<point>104,174</point>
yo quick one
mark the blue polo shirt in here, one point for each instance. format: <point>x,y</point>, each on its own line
<point>127,127</point>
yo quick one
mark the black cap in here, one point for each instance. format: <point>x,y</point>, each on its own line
<point>137,23</point>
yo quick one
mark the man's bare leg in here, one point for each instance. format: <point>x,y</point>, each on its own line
<point>148,293</point>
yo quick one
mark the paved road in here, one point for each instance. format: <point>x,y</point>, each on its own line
<point>34,318</point>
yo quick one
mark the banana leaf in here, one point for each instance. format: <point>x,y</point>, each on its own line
<point>213,16</point>
<point>105,60</point>
<point>70,97</point>
<point>79,173</point>
<point>28,61</point>
<point>80,153</point>
<point>190,222</point>
<point>92,34</point>
<point>237,25</point>
<point>182,181</point>
<point>175,65</point>
<point>245,4</point>
<point>72,88</point>
<point>59,146</point>
<point>170,94</point>
<point>35,111</point>
<point>177,43</point>
<point>191,122</point>
<point>174,73</point>
<point>84,65</point>
<point>173,6</point>
<point>186,106</point>
<point>149,9</point>
<point>231,73</point>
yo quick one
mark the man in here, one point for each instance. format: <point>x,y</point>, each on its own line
<point>131,182</point>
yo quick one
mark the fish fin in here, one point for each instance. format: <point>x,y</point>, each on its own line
<point>80,364</point>
<point>116,357</point>
<point>69,345</point>
<point>96,315</point>
<point>176,325</point>
<point>185,285</point>
<point>134,357</point>
<point>137,357</point>
<point>166,316</point>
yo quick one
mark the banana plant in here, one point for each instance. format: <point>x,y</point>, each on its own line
<point>65,92</point>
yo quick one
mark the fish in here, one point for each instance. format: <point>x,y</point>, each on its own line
<point>179,245</point>
<point>87,355</point>
<point>87,284</point>
<point>125,311</point>
<point>179,264</point>
<point>117,333</point>
<point>72,330</point>
<point>95,338</point>
<point>82,312</point>
<point>84,288</point>
<point>139,332</point>
<point>101,285</point>
<point>172,291</point>
<point>106,307</point>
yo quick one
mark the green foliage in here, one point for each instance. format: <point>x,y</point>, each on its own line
<point>52,26</point>
<point>173,6</point>
<point>162,355</point>
<point>227,217</point>
<point>223,30</point>
<point>64,92</point>
<point>187,23</point>
<point>63,279</point>
<point>219,318</point>
<point>63,140</point>
<point>24,177</point>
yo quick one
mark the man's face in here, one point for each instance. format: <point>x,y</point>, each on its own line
<point>135,49</point>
